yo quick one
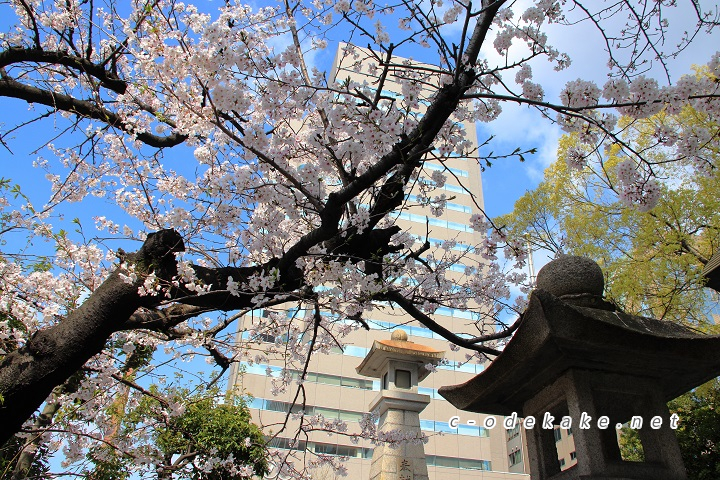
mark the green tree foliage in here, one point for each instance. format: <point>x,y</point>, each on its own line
<point>698,432</point>
<point>631,449</point>
<point>653,260</point>
<point>202,440</point>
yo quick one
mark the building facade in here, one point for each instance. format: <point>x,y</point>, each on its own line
<point>459,446</point>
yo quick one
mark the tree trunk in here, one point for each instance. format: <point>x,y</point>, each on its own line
<point>29,374</point>
<point>24,463</point>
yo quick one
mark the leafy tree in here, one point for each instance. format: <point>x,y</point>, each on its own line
<point>201,439</point>
<point>208,430</point>
<point>631,449</point>
<point>653,260</point>
<point>698,431</point>
<point>239,177</point>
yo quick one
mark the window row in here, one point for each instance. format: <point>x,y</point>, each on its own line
<point>449,205</point>
<point>439,167</point>
<point>360,452</point>
<point>325,379</point>
<point>321,448</point>
<point>438,242</point>
<point>351,416</point>
<point>361,352</point>
<point>435,222</point>
<point>444,427</point>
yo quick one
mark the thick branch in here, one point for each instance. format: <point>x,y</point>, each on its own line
<point>52,355</point>
<point>59,101</point>
<point>107,78</point>
<point>413,311</point>
<point>485,19</point>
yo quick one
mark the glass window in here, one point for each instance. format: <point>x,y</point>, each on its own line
<point>352,382</point>
<point>347,451</point>
<point>421,332</point>
<point>276,406</point>
<point>288,444</point>
<point>325,448</point>
<point>350,416</point>
<point>444,427</point>
<point>426,391</point>
<point>326,412</point>
<point>354,351</point>
<point>468,430</point>
<point>265,337</point>
<point>427,425</point>
<point>465,463</point>
<point>328,379</point>
<point>446,462</point>
<point>473,464</point>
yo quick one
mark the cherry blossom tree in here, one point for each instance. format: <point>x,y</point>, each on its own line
<point>247,178</point>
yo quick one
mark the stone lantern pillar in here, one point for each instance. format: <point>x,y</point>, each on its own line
<point>400,364</point>
<point>578,357</point>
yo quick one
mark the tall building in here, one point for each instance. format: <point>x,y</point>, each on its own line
<point>459,447</point>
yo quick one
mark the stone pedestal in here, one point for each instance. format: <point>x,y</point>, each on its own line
<point>399,411</point>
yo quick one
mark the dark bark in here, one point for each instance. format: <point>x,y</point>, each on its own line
<point>10,87</point>
<point>82,108</point>
<point>107,78</point>
<point>29,374</point>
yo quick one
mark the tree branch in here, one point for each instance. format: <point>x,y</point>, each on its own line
<point>83,108</point>
<point>413,311</point>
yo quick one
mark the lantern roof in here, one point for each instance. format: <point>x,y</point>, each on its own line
<point>399,348</point>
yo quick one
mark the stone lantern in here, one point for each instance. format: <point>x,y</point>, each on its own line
<point>576,356</point>
<point>401,365</point>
